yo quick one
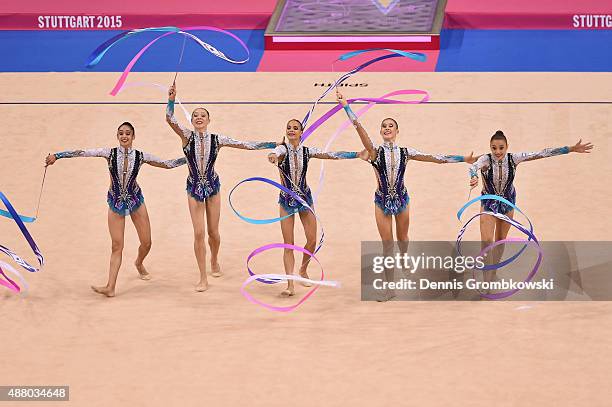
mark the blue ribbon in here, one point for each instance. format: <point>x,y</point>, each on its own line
<point>25,219</point>
<point>531,238</point>
<point>26,234</point>
<point>417,56</point>
<point>272,220</point>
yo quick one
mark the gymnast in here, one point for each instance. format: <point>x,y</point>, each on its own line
<point>498,169</point>
<point>201,149</point>
<point>292,159</point>
<point>391,197</point>
<point>124,198</point>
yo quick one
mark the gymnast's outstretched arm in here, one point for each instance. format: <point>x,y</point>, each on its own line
<point>246,145</point>
<point>439,158</point>
<point>579,147</point>
<point>96,152</point>
<point>363,135</point>
<point>331,155</point>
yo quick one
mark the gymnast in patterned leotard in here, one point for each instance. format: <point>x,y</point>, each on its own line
<point>201,150</point>
<point>292,159</point>
<point>391,197</point>
<point>124,197</point>
<point>498,170</point>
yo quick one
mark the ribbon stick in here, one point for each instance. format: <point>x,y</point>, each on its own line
<point>28,219</point>
<point>178,66</point>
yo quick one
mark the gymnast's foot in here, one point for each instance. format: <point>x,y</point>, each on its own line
<point>201,286</point>
<point>387,296</point>
<point>143,274</point>
<point>290,291</point>
<point>215,270</point>
<point>104,291</point>
<point>304,274</point>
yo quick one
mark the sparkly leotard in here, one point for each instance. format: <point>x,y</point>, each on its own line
<point>201,152</point>
<point>124,194</point>
<point>389,166</point>
<point>390,162</point>
<point>293,165</point>
<point>498,175</point>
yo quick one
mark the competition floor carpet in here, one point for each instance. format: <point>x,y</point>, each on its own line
<point>160,343</point>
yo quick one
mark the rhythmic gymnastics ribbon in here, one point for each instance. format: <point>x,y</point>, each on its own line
<point>9,283</point>
<point>393,53</point>
<point>505,218</point>
<point>273,220</point>
<point>99,52</point>
<point>384,99</point>
<point>530,241</point>
<point>359,113</point>
<point>276,278</point>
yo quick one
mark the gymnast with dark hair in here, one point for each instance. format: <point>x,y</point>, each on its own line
<point>124,198</point>
<point>201,150</point>
<point>498,169</point>
<point>391,197</point>
<point>292,159</point>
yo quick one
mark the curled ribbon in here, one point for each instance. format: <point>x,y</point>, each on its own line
<point>530,241</point>
<point>99,52</point>
<point>393,53</point>
<point>280,277</point>
<point>4,267</point>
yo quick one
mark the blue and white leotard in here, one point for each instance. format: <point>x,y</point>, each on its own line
<point>293,165</point>
<point>124,194</point>
<point>201,152</point>
<point>498,175</point>
<point>390,162</point>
